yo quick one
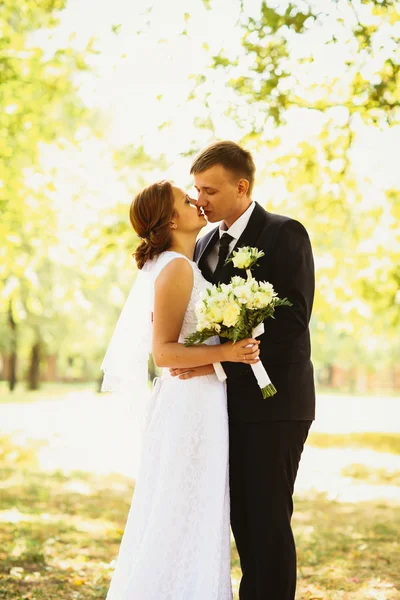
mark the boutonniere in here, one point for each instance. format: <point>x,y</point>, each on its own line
<point>245,258</point>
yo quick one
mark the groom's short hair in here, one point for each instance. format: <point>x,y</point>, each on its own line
<point>231,156</point>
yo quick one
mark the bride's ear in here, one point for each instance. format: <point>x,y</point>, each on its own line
<point>173,225</point>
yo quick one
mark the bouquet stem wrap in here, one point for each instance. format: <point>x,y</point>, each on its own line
<point>267,387</point>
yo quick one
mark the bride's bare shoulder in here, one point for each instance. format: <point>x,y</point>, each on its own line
<point>176,273</point>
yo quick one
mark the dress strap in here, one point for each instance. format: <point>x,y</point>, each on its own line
<point>165,258</point>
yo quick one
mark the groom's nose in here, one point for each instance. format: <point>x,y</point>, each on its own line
<point>201,202</point>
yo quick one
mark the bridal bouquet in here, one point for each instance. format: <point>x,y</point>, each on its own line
<point>237,310</point>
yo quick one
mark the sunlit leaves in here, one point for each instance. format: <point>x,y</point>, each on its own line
<point>342,60</point>
<point>40,106</point>
<point>267,40</point>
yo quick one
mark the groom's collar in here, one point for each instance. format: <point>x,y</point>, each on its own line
<point>237,228</point>
<point>249,237</point>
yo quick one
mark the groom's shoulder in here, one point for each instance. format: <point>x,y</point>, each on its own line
<point>277,221</point>
<point>204,239</point>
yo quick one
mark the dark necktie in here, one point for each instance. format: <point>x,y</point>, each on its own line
<point>223,250</point>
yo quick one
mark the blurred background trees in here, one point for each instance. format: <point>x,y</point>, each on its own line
<point>40,105</point>
<point>284,71</point>
<point>311,88</point>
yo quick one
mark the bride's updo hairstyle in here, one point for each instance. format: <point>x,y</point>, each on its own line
<point>150,215</point>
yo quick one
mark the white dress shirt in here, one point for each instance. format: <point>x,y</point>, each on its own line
<point>235,230</point>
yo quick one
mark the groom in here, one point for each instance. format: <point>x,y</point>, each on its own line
<point>266,435</point>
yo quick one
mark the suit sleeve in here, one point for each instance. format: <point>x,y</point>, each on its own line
<point>292,276</point>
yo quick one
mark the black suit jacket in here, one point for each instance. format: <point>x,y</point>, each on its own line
<point>285,348</point>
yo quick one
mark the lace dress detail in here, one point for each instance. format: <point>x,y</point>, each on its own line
<point>176,543</point>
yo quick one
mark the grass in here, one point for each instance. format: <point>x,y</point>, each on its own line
<point>345,551</point>
<point>380,442</point>
<point>47,391</point>
<point>371,476</point>
<point>348,392</point>
<point>60,530</point>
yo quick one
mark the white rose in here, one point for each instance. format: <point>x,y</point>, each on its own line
<point>212,292</point>
<point>236,280</point>
<point>200,309</point>
<point>226,288</point>
<point>203,323</point>
<point>231,314</point>
<point>203,320</point>
<point>243,293</point>
<point>220,299</point>
<point>261,299</point>
<point>268,289</point>
<point>214,313</point>
<point>267,286</point>
<point>242,259</point>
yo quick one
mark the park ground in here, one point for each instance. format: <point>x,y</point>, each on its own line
<point>65,492</point>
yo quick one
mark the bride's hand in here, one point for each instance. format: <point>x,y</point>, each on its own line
<point>193,372</point>
<point>237,352</point>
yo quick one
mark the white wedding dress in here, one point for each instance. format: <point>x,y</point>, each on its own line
<point>176,543</point>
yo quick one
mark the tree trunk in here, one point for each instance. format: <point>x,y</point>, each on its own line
<point>12,373</point>
<point>329,375</point>
<point>51,368</point>
<point>34,367</point>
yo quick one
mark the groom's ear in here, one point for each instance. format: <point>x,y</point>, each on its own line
<point>242,187</point>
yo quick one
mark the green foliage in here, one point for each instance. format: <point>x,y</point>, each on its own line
<point>48,294</point>
<point>135,165</point>
<point>40,106</point>
<point>356,239</point>
<point>273,80</point>
<point>135,168</point>
<point>49,290</point>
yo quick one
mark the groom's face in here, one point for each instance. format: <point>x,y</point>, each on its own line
<point>218,193</point>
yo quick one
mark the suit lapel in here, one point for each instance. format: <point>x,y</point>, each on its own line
<point>204,251</point>
<point>254,227</point>
<point>248,238</point>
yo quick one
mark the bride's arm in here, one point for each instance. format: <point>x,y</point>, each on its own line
<point>172,291</point>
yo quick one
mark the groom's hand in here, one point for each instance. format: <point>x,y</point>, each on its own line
<point>193,372</point>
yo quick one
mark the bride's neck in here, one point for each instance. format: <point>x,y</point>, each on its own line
<point>184,246</point>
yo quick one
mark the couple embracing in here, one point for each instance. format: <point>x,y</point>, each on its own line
<point>215,453</point>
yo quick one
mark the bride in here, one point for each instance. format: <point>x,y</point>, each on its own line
<point>176,543</point>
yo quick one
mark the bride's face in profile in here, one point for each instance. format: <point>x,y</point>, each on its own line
<point>187,217</point>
